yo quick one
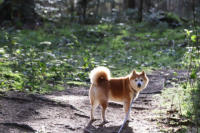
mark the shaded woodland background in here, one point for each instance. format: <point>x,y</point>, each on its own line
<point>91,11</point>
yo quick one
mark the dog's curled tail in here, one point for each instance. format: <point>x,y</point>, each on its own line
<point>99,75</point>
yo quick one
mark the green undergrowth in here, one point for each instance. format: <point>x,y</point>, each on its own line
<point>180,108</point>
<point>53,56</point>
<point>181,103</point>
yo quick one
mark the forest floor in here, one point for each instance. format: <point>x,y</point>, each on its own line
<point>68,111</point>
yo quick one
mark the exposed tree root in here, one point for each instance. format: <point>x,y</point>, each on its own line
<point>116,105</point>
<point>71,128</point>
<point>81,115</point>
<point>87,131</point>
<point>152,92</point>
<point>17,99</point>
<point>52,102</point>
<point>33,98</point>
<point>20,126</point>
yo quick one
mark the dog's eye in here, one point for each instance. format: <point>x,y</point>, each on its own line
<point>136,80</point>
<point>141,79</point>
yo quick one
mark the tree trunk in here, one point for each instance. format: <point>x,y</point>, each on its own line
<point>97,8</point>
<point>140,11</point>
<point>131,3</point>
<point>82,10</point>
<point>18,11</point>
<point>112,4</point>
<point>72,10</point>
<point>148,4</point>
<point>125,4</point>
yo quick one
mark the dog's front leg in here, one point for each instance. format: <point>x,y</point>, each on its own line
<point>126,108</point>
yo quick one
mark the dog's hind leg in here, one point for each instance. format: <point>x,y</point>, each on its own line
<point>94,104</point>
<point>93,101</point>
<point>104,105</point>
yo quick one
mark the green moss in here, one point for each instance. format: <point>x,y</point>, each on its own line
<point>173,16</point>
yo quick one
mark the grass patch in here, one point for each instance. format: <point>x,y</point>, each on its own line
<point>180,106</point>
<point>51,55</point>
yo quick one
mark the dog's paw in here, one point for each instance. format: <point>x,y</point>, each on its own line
<point>103,123</point>
<point>92,120</point>
<point>131,118</point>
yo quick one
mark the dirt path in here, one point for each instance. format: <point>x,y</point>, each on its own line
<point>68,111</point>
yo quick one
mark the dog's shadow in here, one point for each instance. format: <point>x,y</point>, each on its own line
<point>102,128</point>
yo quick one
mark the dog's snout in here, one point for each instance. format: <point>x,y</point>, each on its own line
<point>139,85</point>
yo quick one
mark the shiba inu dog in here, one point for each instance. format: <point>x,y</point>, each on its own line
<point>104,88</point>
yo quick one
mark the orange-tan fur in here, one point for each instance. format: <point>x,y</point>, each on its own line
<point>104,89</point>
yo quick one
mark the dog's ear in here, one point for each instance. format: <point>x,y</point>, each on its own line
<point>134,72</point>
<point>143,73</point>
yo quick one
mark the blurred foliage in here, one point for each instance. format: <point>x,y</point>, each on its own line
<point>184,98</point>
<point>54,56</point>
